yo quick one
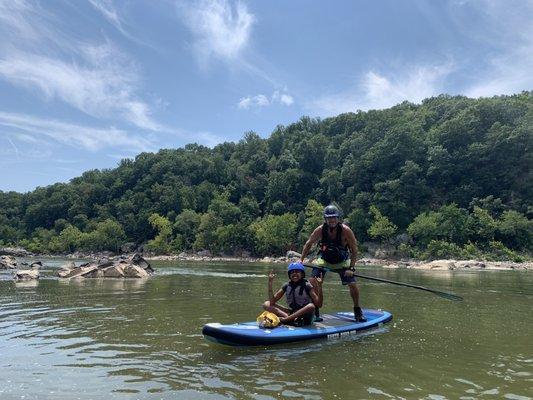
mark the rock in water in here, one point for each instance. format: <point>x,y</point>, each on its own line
<point>77,271</point>
<point>95,273</point>
<point>137,260</point>
<point>134,271</point>
<point>65,269</point>
<point>120,267</point>
<point>28,274</point>
<point>8,262</point>
<point>114,271</point>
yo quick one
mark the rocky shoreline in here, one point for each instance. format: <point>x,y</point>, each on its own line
<point>206,257</point>
<point>445,264</point>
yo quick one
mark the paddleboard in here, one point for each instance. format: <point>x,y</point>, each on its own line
<point>333,325</point>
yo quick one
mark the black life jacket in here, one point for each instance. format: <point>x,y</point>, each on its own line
<point>297,294</point>
<point>332,250</point>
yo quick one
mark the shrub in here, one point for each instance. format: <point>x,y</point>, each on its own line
<point>500,252</point>
<point>441,249</point>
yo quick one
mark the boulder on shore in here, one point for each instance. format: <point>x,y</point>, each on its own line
<point>14,252</point>
<point>119,267</point>
<point>126,248</point>
<point>203,253</point>
<point>439,264</point>
<point>293,254</point>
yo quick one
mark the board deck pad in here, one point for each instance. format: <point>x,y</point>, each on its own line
<point>335,324</point>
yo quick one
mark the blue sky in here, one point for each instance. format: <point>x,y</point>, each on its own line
<point>84,84</point>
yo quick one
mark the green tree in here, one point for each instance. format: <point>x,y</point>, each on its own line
<point>107,235</point>
<point>206,237</point>
<point>70,238</point>
<point>481,226</point>
<point>185,229</point>
<point>314,216</point>
<point>274,234</point>
<point>424,228</point>
<point>161,243</point>
<point>515,230</point>
<point>381,227</point>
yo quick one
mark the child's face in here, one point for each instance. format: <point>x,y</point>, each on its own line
<point>296,275</point>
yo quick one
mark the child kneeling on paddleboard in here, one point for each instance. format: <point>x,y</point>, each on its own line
<point>302,298</point>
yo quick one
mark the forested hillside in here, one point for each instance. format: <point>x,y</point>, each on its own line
<point>448,177</point>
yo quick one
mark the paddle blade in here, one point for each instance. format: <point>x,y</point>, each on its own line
<point>449,296</point>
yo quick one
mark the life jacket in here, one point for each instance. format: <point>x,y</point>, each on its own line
<point>332,250</point>
<point>297,294</point>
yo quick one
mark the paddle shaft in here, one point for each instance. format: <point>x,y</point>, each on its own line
<point>446,295</point>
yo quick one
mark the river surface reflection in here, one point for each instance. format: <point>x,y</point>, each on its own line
<point>141,339</point>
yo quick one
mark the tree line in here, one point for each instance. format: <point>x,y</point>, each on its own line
<point>448,177</point>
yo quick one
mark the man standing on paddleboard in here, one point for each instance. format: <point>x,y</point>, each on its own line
<point>337,251</point>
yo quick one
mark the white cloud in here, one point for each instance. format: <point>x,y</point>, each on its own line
<point>508,29</point>
<point>13,18</point>
<point>23,137</point>
<point>107,9</point>
<point>283,98</point>
<point>98,80</point>
<point>256,101</point>
<point>507,68</point>
<point>261,100</point>
<point>74,135</point>
<point>220,30</point>
<point>15,148</point>
<point>110,13</point>
<point>28,26</point>
<point>103,87</point>
<point>376,91</point>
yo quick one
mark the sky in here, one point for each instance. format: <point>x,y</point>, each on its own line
<point>84,84</point>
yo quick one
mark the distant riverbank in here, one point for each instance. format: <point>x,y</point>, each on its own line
<point>445,264</point>
<point>206,257</point>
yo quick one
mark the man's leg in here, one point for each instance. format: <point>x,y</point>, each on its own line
<point>315,273</point>
<point>357,311</point>
<point>354,293</point>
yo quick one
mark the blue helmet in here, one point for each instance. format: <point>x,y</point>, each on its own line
<point>295,266</point>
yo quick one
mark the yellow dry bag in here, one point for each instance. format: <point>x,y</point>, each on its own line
<point>268,320</point>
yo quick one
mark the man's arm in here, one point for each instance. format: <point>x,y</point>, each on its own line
<point>352,245</point>
<point>315,237</point>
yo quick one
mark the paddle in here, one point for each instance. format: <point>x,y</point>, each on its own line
<point>446,295</point>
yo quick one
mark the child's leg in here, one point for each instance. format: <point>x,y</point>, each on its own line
<point>300,313</point>
<point>280,311</point>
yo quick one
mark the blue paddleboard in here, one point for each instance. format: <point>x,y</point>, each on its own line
<point>249,334</point>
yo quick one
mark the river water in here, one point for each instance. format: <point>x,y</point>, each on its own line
<point>141,339</point>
